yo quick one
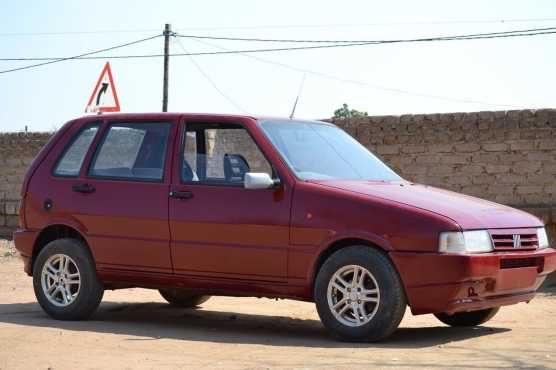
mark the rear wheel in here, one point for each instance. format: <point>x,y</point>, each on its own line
<point>359,295</point>
<point>65,280</point>
<point>182,298</point>
<point>471,318</point>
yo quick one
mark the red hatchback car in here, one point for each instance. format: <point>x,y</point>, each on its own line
<point>199,204</point>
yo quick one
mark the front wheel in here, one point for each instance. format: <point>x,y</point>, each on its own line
<point>359,295</point>
<point>471,318</point>
<point>182,298</point>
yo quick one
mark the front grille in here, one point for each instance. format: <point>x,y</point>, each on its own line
<point>512,263</point>
<point>504,240</point>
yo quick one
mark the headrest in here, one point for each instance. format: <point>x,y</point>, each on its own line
<point>235,167</point>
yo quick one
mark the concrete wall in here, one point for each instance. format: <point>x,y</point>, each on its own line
<point>508,157</point>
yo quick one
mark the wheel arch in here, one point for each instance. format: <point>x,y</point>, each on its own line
<point>54,232</point>
<point>343,243</point>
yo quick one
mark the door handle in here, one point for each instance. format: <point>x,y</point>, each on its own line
<point>83,188</point>
<point>181,194</point>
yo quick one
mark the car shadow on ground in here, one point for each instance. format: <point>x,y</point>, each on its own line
<point>154,321</point>
<point>549,286</point>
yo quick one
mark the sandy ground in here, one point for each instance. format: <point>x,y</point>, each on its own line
<point>136,329</point>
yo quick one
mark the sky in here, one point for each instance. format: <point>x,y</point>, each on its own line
<point>497,74</point>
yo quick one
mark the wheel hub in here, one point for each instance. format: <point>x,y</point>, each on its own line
<point>60,280</point>
<point>353,295</point>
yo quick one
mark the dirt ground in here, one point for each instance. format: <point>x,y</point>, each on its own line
<point>135,329</point>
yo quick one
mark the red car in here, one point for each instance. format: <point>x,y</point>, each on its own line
<point>199,204</point>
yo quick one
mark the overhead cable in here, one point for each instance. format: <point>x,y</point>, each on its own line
<point>362,83</point>
<point>80,56</point>
<point>213,84</point>
<point>339,44</point>
<point>514,33</point>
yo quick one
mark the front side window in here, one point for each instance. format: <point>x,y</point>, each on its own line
<point>71,161</point>
<point>132,151</point>
<point>321,151</point>
<point>221,154</point>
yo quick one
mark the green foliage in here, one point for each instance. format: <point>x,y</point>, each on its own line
<point>345,112</point>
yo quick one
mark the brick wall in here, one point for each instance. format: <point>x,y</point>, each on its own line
<point>508,157</point>
<point>16,153</point>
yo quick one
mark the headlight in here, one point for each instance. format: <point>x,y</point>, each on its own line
<point>543,238</point>
<point>465,242</point>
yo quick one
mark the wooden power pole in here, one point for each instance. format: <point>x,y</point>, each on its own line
<point>167,33</point>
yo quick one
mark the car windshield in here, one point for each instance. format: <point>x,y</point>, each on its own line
<point>322,151</point>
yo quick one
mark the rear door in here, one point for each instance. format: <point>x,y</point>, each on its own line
<point>123,196</point>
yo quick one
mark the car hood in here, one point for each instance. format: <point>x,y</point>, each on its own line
<point>467,211</point>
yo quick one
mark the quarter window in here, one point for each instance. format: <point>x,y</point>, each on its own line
<point>71,161</point>
<point>132,151</point>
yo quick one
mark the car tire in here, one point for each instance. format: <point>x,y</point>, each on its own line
<point>65,280</point>
<point>377,295</point>
<point>182,298</point>
<point>471,318</point>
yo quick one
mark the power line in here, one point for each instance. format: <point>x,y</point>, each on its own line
<point>50,60</point>
<point>287,26</point>
<point>514,33</point>
<point>80,56</point>
<point>374,24</point>
<point>341,43</point>
<point>64,33</point>
<point>207,77</point>
<point>360,83</point>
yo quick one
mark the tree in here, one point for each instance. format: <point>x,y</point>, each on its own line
<point>345,112</point>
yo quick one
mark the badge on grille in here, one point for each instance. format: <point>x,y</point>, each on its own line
<point>517,241</point>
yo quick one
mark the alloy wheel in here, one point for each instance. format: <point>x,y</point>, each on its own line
<point>60,280</point>
<point>353,295</point>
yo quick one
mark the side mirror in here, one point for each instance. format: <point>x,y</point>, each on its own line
<point>256,180</point>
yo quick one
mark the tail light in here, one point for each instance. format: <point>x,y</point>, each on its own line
<point>21,213</point>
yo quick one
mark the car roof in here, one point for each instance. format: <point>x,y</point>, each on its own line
<point>161,115</point>
<point>200,116</point>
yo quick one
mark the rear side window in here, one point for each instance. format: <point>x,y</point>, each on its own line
<point>72,159</point>
<point>132,151</point>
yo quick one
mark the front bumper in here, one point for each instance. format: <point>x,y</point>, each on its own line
<point>437,282</point>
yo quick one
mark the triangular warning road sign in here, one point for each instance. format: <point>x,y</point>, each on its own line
<point>104,97</point>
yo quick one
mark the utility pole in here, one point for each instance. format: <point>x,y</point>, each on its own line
<point>167,33</point>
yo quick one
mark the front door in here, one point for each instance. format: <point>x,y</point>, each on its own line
<point>219,228</point>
